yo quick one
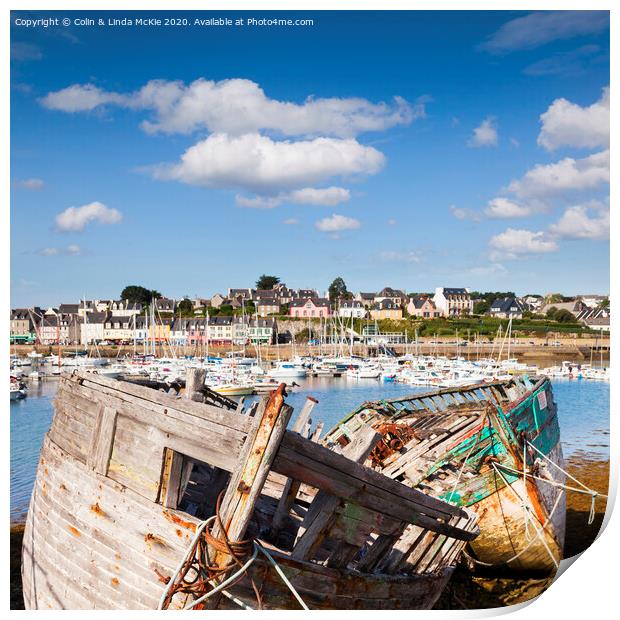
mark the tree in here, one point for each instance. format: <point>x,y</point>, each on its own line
<point>552,312</point>
<point>139,294</point>
<point>604,303</point>
<point>266,282</point>
<point>564,316</point>
<point>185,307</point>
<point>338,290</point>
<point>480,307</point>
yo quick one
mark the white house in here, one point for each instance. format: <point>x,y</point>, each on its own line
<point>352,308</point>
<point>453,301</point>
<point>92,328</point>
<point>262,331</point>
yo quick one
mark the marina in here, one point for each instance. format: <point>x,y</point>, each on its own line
<point>334,396</point>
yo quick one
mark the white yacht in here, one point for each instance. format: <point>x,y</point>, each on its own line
<point>288,370</point>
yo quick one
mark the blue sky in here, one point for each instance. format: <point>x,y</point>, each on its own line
<point>410,149</point>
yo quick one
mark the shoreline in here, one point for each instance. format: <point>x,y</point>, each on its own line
<point>466,590</point>
<point>578,351</point>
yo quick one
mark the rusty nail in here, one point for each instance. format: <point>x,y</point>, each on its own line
<point>243,487</point>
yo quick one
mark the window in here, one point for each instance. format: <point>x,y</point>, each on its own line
<point>191,485</point>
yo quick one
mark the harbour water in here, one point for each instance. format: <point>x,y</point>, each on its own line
<point>583,409</point>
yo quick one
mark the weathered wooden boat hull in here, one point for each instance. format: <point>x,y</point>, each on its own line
<point>90,543</point>
<point>106,528</point>
<point>504,538</point>
<point>517,420</point>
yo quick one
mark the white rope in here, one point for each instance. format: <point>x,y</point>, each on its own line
<point>556,465</point>
<point>585,491</point>
<point>224,583</point>
<point>281,573</point>
<point>230,579</point>
<point>527,509</point>
<point>514,557</point>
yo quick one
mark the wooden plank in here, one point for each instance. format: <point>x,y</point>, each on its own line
<point>368,488</point>
<point>154,400</point>
<point>171,479</point>
<point>322,511</point>
<point>255,463</point>
<point>291,487</point>
<point>194,383</point>
<point>102,440</point>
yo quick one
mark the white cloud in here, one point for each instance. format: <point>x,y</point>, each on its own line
<point>392,222</point>
<point>257,202</point>
<point>70,250</point>
<point>327,196</point>
<point>568,124</point>
<point>464,214</point>
<point>81,98</point>
<point>261,165</point>
<point>503,207</point>
<point>539,28</point>
<point>73,249</point>
<point>566,175</point>
<point>485,134</point>
<point>76,218</point>
<point>517,243</point>
<point>576,223</point>
<point>239,106</point>
<point>337,223</point>
<point>571,63</point>
<point>32,184</point>
<point>391,256</point>
<point>291,221</point>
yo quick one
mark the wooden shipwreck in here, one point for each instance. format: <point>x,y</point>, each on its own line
<point>145,499</point>
<point>494,448</point>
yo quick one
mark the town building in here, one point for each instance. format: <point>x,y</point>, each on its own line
<point>60,329</point>
<point>453,301</point>
<point>386,309</point>
<point>201,306</point>
<point>366,298</point>
<point>533,303</point>
<point>422,307</point>
<point>160,330</point>
<point>118,328</point>
<point>91,328</point>
<point>352,308</point>
<point>575,306</point>
<point>163,304</point>
<point>220,330</point>
<point>24,323</point>
<point>267,306</point>
<point>593,301</point>
<point>506,307</point>
<point>310,308</point>
<point>262,331</point>
<point>124,307</point>
<point>396,296</point>
<point>595,318</point>
<point>244,293</point>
